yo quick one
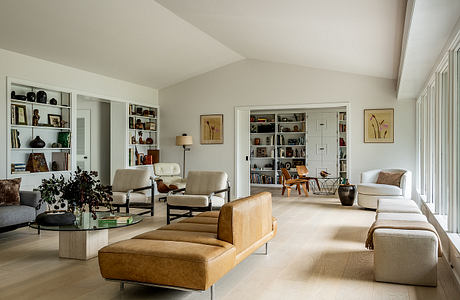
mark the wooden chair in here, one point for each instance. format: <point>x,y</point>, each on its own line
<point>289,182</point>
<point>302,171</point>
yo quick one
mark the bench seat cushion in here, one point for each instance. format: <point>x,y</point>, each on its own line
<point>379,189</point>
<point>171,263</point>
<point>397,206</point>
<point>401,216</point>
<point>184,254</point>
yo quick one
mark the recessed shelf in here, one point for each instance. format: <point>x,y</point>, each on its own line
<point>284,146</point>
<point>290,122</point>
<point>292,132</point>
<point>262,146</point>
<point>262,132</point>
<point>38,104</point>
<point>42,173</point>
<point>143,117</point>
<point>262,158</point>
<point>261,170</point>
<point>40,127</point>
<point>291,157</point>
<point>38,149</point>
<point>148,130</point>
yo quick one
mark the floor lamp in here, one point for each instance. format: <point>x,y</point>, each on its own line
<point>184,140</point>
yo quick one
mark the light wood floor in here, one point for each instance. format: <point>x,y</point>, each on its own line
<point>318,253</point>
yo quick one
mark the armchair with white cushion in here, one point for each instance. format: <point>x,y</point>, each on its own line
<point>204,191</point>
<point>131,189</point>
<point>169,173</point>
<point>369,191</point>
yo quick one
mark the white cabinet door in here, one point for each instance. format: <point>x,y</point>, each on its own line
<point>322,142</point>
<point>242,148</point>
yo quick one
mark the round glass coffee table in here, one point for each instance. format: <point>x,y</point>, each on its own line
<point>84,239</point>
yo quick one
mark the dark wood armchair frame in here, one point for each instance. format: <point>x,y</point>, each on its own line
<point>190,210</point>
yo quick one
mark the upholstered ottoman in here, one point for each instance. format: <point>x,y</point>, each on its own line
<point>405,256</point>
<point>397,206</point>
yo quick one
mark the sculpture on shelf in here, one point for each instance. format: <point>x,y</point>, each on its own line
<point>133,140</point>
<point>41,97</point>
<point>149,141</point>
<point>53,101</point>
<point>64,124</point>
<point>139,124</point>
<point>31,96</point>
<point>35,118</point>
<point>141,141</point>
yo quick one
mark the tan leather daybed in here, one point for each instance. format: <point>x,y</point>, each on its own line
<point>196,252</point>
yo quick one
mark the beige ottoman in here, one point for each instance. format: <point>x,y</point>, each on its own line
<point>397,206</point>
<point>406,256</point>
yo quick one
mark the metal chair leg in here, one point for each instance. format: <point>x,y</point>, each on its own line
<point>212,292</point>
<point>122,286</point>
<point>266,248</point>
<point>168,220</point>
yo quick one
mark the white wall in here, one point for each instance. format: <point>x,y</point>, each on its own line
<point>29,68</point>
<point>100,135</point>
<point>253,82</point>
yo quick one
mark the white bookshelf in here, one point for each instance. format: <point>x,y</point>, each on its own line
<point>143,114</point>
<point>342,158</point>
<point>19,154</point>
<point>282,146</point>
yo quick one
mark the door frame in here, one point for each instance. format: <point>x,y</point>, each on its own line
<point>346,104</point>
<point>87,134</point>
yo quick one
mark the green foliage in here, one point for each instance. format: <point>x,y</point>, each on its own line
<point>81,190</point>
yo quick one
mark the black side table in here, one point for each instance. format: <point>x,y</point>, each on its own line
<point>347,194</point>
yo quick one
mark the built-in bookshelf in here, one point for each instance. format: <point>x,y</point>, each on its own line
<point>278,140</point>
<point>342,145</point>
<point>143,138</point>
<point>39,126</point>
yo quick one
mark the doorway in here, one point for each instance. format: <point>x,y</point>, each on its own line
<point>93,136</point>
<point>245,143</point>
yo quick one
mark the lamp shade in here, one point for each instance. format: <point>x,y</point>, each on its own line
<point>184,140</point>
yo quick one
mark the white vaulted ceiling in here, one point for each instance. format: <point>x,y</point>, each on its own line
<point>138,41</point>
<point>354,36</point>
<point>159,43</point>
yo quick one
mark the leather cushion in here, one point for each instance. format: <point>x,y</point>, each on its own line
<point>390,178</point>
<point>128,179</point>
<point>212,228</point>
<point>166,169</point>
<point>205,182</point>
<point>200,220</point>
<point>379,189</point>
<point>194,200</point>
<point>120,198</point>
<point>9,191</point>
<point>243,222</point>
<point>174,263</point>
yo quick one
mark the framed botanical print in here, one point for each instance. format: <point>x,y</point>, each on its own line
<point>21,114</point>
<point>212,129</point>
<point>379,125</point>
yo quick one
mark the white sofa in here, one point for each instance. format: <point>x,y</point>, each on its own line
<point>369,191</point>
<point>404,256</point>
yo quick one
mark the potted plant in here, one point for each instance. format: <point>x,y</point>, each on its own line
<point>82,192</point>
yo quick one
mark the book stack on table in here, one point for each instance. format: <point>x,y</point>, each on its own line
<point>115,220</point>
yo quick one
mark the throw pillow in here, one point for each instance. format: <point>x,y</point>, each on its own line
<point>9,191</point>
<point>390,178</point>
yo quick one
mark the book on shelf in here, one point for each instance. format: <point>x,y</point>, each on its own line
<point>342,116</point>
<point>342,142</point>
<point>342,127</point>
<point>262,179</point>
<point>15,142</point>
<point>13,114</point>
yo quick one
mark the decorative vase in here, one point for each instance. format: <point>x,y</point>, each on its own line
<point>41,97</point>
<point>31,96</point>
<point>347,194</point>
<point>37,143</point>
<point>53,101</point>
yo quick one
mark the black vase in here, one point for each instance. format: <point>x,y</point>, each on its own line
<point>37,143</point>
<point>31,96</point>
<point>41,97</point>
<point>53,101</point>
<point>347,194</point>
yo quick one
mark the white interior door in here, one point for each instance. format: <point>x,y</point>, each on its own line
<point>242,148</point>
<point>84,139</point>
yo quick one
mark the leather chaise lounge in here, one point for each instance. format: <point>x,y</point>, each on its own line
<point>194,253</point>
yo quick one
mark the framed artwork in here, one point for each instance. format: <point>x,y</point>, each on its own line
<point>21,114</point>
<point>54,120</point>
<point>379,125</point>
<point>212,129</point>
